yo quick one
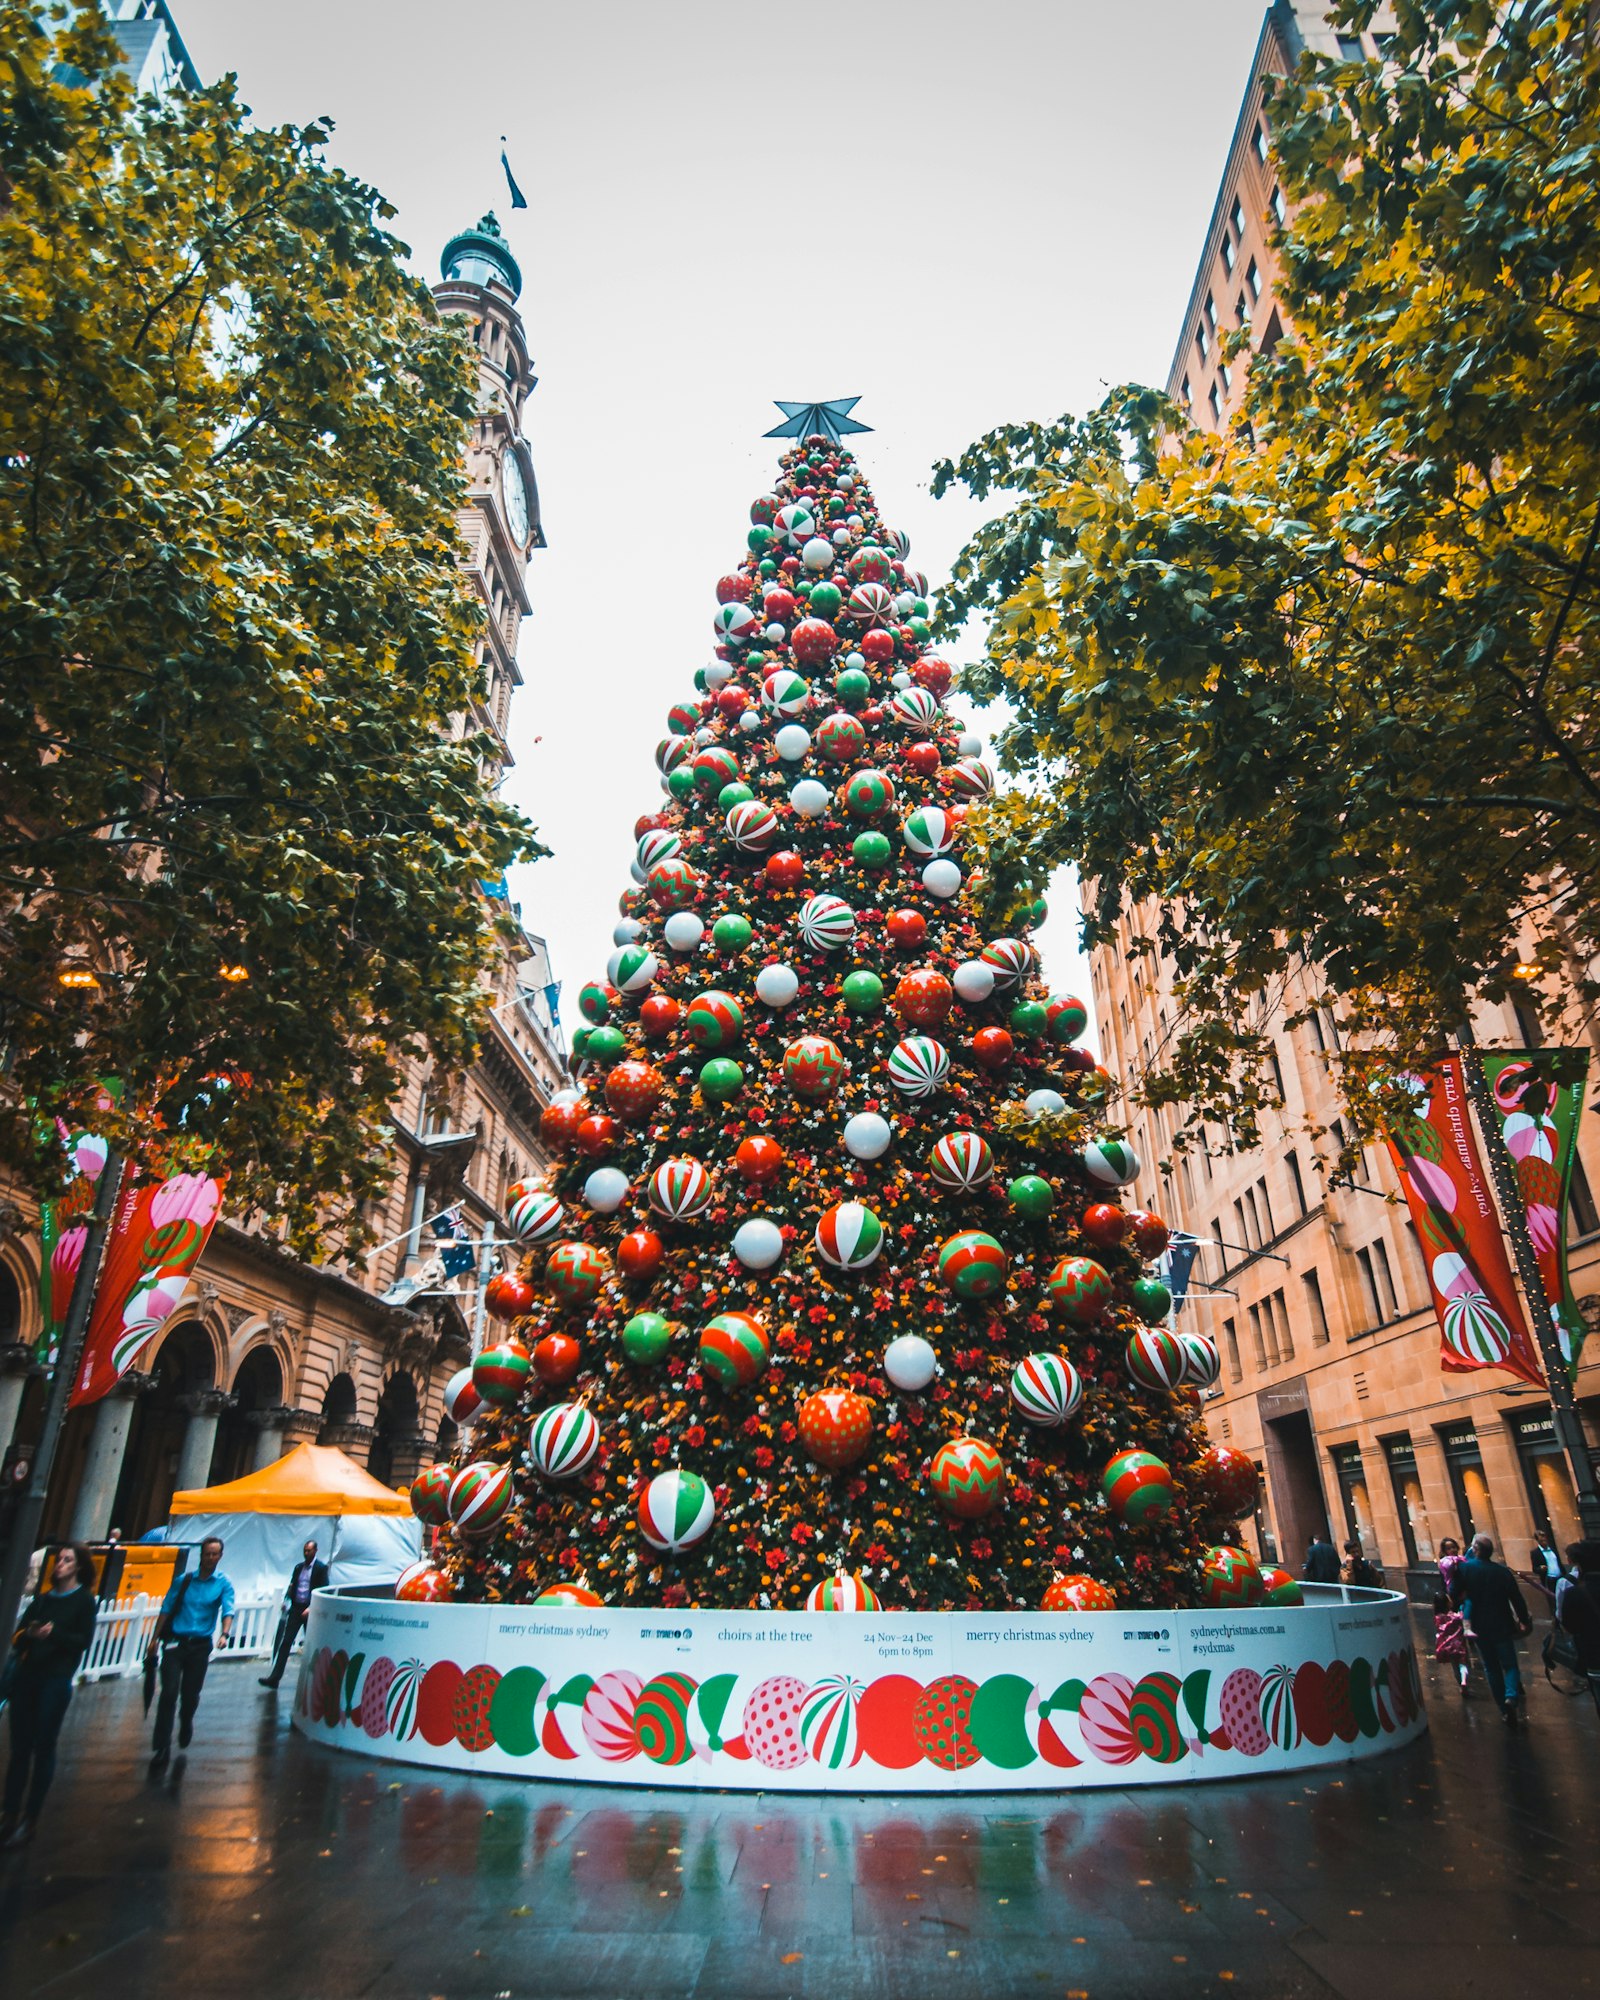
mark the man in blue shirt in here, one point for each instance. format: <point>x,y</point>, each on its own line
<point>189,1615</point>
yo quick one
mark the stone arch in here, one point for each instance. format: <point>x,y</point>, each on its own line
<point>255,1399</point>
<point>20,1267</point>
<point>338,1404</point>
<point>181,1366</point>
<point>397,1437</point>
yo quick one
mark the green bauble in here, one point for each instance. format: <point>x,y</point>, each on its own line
<point>734,795</point>
<point>1028,1017</point>
<point>580,1043</point>
<point>920,630</point>
<point>1038,910</point>
<point>863,991</point>
<point>700,680</point>
<point>919,607</point>
<point>646,1338</point>
<point>768,566</point>
<point>1151,1300</point>
<point>1032,1196</point>
<point>605,1045</point>
<point>852,687</point>
<point>731,933</point>
<point>680,782</point>
<point>594,1003</point>
<point>871,850</point>
<point>825,600</point>
<point>721,1078</point>
<point>758,538</point>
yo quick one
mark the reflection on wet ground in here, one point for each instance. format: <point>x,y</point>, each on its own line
<point>261,1866</point>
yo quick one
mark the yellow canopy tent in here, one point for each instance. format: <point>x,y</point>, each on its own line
<point>364,1530</point>
<point>311,1479</point>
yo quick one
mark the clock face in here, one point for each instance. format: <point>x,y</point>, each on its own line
<point>515,492</point>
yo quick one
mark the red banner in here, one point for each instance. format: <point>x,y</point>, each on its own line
<point>1469,1272</point>
<point>155,1240</point>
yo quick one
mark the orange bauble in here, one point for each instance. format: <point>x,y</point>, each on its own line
<point>1078,1593</point>
<point>835,1427</point>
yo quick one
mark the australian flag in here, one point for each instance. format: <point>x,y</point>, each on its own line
<point>455,1246</point>
<point>518,198</point>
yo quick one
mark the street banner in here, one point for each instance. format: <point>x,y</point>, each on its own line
<point>158,1231</point>
<point>1181,1253</point>
<point>1538,1098</point>
<point>62,1234</point>
<point>1447,1190</point>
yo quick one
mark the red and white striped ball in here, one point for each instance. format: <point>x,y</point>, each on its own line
<point>680,1189</point>
<point>480,1497</point>
<point>1154,1358</point>
<point>461,1399</point>
<point>1202,1363</point>
<point>751,826</point>
<point>1046,1389</point>
<point>1009,960</point>
<point>849,1236</point>
<point>961,1161</point>
<point>564,1440</point>
<point>843,1591</point>
<point>532,1211</point>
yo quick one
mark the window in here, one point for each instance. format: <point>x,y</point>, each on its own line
<point>1229,254</point>
<point>1376,1285</point>
<point>1243,1242</point>
<point>1252,279</point>
<point>1274,332</point>
<point>1408,1501</point>
<point>1258,142</point>
<point>1315,1314</point>
<point>1582,1217</point>
<point>1226,377</point>
<point>1211,312</point>
<point>1464,1463</point>
<point>1380,1270</point>
<point>1236,216</point>
<point>1241,310</point>
<point>1383,44</point>
<point>1545,1475</point>
<point>1296,1183</point>
<point>1350,49</point>
<point>1185,391</point>
<point>1314,1023</point>
<point>1352,1478</point>
<point>1230,1349</point>
<point>1266,1212</point>
<point>1527,1024</point>
<point>1216,405</point>
<point>1258,1336</point>
<point>1285,1336</point>
<point>1277,1075</point>
<point>1222,1248</point>
<point>1202,345</point>
<point>1279,206</point>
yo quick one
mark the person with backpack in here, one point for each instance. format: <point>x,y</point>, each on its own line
<point>1578,1610</point>
<point>1357,1570</point>
<point>1496,1616</point>
<point>182,1642</point>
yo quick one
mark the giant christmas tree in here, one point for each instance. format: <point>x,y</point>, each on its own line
<point>832,1300</point>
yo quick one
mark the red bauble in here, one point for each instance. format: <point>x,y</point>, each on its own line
<point>558,1125</point>
<point>1150,1234</point>
<point>598,1134</point>
<point>814,641</point>
<point>871,715</point>
<point>933,674</point>
<point>1079,1059</point>
<point>633,1089</point>
<point>1104,1224</point>
<point>556,1359</point>
<point>790,566</point>
<point>906,928</point>
<point>878,646</point>
<point>779,604</point>
<point>733,589</point>
<point>508,1296</point>
<point>785,869</point>
<point>924,998</point>
<point>991,1048</point>
<point>835,1426</point>
<point>659,1015</point>
<point>733,701</point>
<point>644,824</point>
<point>758,1158</point>
<point>1226,1482</point>
<point>639,1254</point>
<point>923,758</point>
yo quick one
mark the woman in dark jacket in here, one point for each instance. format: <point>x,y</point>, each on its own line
<point>50,1644</point>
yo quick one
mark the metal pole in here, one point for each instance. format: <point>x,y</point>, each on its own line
<point>486,1248</point>
<point>1513,1219</point>
<point>25,1527</point>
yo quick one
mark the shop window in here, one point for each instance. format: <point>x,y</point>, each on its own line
<point>1408,1503</point>
<point>1464,1463</point>
<point>1351,1477</point>
<point>1549,1483</point>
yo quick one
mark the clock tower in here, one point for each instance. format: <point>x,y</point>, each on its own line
<point>500,521</point>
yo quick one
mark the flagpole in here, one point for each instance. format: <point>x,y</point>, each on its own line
<point>25,1526</point>
<point>1514,1221</point>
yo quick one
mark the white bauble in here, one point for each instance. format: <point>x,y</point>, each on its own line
<point>810,798</point>
<point>566,1097</point>
<point>683,930</point>
<point>792,742</point>
<point>903,603</point>
<point>845,481</point>
<point>777,985</point>
<point>750,720</point>
<point>1041,1103</point>
<point>705,737</point>
<point>970,745</point>
<point>817,554</point>
<point>855,521</point>
<point>606,1190</point>
<point>867,1136</point>
<point>775,633</point>
<point>718,674</point>
<point>942,878</point>
<point>758,1243</point>
<point>901,679</point>
<point>841,538</point>
<point>973,981</point>
<point>909,1362</point>
<point>855,659</point>
<point>637,873</point>
<point>626,931</point>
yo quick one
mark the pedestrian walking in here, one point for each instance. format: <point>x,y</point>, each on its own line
<point>1357,1570</point>
<point>1544,1566</point>
<point>309,1575</point>
<point>182,1639</point>
<point>1496,1616</point>
<point>1578,1610</point>
<point>1450,1639</point>
<point>1322,1561</point>
<point>47,1651</point>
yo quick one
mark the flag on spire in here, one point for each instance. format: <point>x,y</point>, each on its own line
<point>518,198</point>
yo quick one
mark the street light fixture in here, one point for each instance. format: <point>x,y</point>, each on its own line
<point>78,976</point>
<point>234,973</point>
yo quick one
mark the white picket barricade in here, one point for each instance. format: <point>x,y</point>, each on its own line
<point>122,1635</point>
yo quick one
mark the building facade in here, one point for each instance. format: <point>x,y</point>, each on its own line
<point>1316,1292</point>
<point>269,1350</point>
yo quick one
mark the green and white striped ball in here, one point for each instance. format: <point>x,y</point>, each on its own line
<point>672,751</point>
<point>1154,1358</point>
<point>829,1726</point>
<point>533,1212</point>
<point>917,709</point>
<point>1111,1162</point>
<point>929,830</point>
<point>1046,1389</point>
<point>680,1189</point>
<point>751,826</point>
<point>1010,960</point>
<point>797,523</point>
<point>632,969</point>
<point>785,693</point>
<point>918,1066</point>
<point>480,1497</point>
<point>563,1441</point>
<point>849,1236</point>
<point>734,624</point>
<point>676,1510</point>
<point>1202,1362</point>
<point>656,843</point>
<point>843,1591</point>
<point>961,1160</point>
<point>825,923</point>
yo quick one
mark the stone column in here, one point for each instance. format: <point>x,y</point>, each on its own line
<point>17,1363</point>
<point>355,1440</point>
<point>406,1458</point>
<point>200,1437</point>
<point>270,1446</point>
<point>97,1490</point>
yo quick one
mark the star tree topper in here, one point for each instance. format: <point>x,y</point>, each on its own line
<point>829,420</point>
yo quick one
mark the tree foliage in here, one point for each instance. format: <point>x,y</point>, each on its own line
<point>1323,687</point>
<point>234,632</point>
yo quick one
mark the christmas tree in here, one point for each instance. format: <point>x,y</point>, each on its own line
<point>831,1300</point>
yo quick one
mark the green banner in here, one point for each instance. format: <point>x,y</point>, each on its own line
<point>1538,1098</point>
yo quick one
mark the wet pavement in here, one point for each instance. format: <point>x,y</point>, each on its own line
<point>262,1866</point>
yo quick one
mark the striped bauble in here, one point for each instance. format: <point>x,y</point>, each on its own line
<point>829,1721</point>
<point>751,826</point>
<point>734,1349</point>
<point>656,843</point>
<point>676,1510</point>
<point>563,1441</point>
<point>680,1189</point>
<point>849,1236</point>
<point>1046,1389</point>
<point>533,1212</point>
<point>971,1264</point>
<point>1111,1162</point>
<point>917,709</point>
<point>714,1020</point>
<point>929,830</point>
<point>480,1496</point>
<point>825,923</point>
<point>1154,1358</point>
<point>918,1066</point>
<point>785,693</point>
<point>961,1161</point>
<point>843,1591</point>
<point>672,751</point>
<point>970,778</point>
<point>1009,960</point>
<point>1202,1363</point>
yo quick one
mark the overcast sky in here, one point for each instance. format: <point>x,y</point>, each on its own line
<point>965,215</point>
